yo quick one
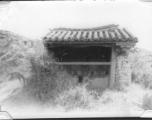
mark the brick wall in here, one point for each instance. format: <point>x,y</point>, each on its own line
<point>123,70</point>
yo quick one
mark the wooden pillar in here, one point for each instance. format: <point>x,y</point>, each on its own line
<point>112,68</point>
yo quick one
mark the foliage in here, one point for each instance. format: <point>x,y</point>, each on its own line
<point>142,68</point>
<point>77,97</point>
<point>46,79</point>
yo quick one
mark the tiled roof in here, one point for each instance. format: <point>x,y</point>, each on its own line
<point>110,33</point>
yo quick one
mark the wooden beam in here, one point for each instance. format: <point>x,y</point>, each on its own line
<point>79,44</point>
<point>82,63</point>
<point>112,68</point>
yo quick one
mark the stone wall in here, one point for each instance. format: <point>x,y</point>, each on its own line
<point>123,70</point>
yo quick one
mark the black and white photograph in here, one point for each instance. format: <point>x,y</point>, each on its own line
<point>75,59</point>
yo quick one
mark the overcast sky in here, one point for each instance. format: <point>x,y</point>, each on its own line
<point>34,19</point>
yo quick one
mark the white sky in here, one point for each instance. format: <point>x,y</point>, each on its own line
<point>34,19</point>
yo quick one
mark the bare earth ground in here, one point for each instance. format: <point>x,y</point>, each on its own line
<point>31,110</point>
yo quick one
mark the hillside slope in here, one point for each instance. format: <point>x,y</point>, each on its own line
<point>141,60</point>
<point>13,52</point>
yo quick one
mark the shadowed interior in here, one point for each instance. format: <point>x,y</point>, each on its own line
<point>82,54</point>
<point>85,54</point>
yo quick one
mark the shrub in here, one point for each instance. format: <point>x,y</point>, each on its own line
<point>141,69</point>
<point>80,98</point>
<point>140,97</point>
<point>77,97</point>
<point>46,80</point>
<point>144,79</point>
<point>132,97</point>
<point>112,100</point>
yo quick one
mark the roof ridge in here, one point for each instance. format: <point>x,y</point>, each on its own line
<point>87,29</point>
